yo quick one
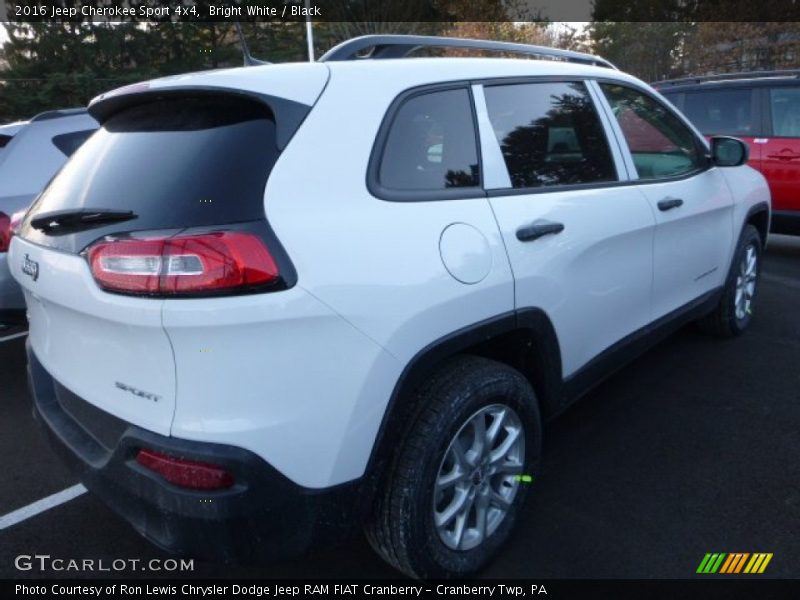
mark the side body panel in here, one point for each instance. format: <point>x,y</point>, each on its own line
<point>593,279</point>
<point>693,242</point>
<point>304,377</point>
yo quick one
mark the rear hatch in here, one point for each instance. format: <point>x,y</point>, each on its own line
<point>166,200</point>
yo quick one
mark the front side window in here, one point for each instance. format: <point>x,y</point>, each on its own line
<point>785,106</point>
<point>431,144</point>
<point>726,112</point>
<point>662,146</point>
<point>549,134</point>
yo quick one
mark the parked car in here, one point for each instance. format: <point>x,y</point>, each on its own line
<point>761,108</point>
<point>272,305</point>
<point>30,154</point>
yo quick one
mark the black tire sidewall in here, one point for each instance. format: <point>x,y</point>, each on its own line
<point>435,559</point>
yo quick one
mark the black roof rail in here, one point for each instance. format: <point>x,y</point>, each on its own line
<point>400,46</point>
<point>727,77</point>
<point>55,114</point>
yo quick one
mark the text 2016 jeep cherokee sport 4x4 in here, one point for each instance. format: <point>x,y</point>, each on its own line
<point>270,305</point>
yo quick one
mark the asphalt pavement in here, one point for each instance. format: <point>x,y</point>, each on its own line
<point>693,448</point>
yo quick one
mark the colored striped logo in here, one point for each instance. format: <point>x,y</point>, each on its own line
<point>736,562</point>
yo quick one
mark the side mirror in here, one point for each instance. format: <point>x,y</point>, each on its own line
<point>729,151</point>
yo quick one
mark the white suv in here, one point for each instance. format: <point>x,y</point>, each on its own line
<point>272,305</point>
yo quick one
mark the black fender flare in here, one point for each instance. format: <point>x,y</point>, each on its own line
<point>545,375</point>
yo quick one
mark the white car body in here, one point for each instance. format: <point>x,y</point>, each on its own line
<point>303,378</point>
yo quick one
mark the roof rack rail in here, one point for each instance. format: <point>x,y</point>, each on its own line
<point>727,77</point>
<point>400,46</point>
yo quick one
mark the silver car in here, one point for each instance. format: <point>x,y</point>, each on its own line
<point>31,152</point>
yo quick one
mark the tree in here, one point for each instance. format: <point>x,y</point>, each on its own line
<point>649,50</point>
<point>50,65</point>
<point>645,38</point>
<point>731,47</point>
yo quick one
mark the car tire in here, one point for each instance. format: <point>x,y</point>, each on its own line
<point>413,526</point>
<point>734,312</point>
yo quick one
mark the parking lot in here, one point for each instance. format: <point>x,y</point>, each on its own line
<point>691,449</point>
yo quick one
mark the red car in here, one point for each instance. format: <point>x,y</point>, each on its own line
<point>761,108</point>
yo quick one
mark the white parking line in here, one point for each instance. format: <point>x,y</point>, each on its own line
<point>14,336</point>
<point>38,507</point>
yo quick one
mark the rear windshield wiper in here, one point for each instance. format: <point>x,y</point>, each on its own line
<point>58,220</point>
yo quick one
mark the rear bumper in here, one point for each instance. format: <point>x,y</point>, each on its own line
<point>263,516</point>
<point>786,222</point>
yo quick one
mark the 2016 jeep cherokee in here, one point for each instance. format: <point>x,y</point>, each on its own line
<point>272,305</point>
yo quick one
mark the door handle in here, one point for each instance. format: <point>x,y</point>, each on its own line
<point>784,156</point>
<point>537,229</point>
<point>669,203</point>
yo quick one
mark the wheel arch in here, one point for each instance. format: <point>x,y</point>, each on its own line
<point>758,216</point>
<point>524,339</point>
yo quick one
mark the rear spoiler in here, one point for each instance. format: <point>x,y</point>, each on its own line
<point>289,115</point>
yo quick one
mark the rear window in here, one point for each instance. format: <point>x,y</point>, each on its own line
<point>177,162</point>
<point>431,145</point>
<point>785,107</point>
<point>727,112</point>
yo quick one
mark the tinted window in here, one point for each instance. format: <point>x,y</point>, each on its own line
<point>4,139</point>
<point>69,142</point>
<point>661,145</point>
<point>180,162</point>
<point>785,105</point>
<point>728,112</point>
<point>431,144</point>
<point>676,99</point>
<point>549,134</point>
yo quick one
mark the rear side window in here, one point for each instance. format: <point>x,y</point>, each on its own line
<point>662,146</point>
<point>4,139</point>
<point>431,144</point>
<point>785,107</point>
<point>549,134</point>
<point>68,143</point>
<point>175,162</point>
<point>726,112</point>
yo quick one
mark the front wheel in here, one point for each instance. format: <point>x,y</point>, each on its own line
<point>460,478</point>
<point>735,309</point>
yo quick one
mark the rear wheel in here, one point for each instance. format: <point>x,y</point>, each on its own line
<point>461,476</point>
<point>735,309</point>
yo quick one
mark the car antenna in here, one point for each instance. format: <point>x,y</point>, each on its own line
<point>249,61</point>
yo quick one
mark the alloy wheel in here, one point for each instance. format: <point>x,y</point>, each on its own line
<point>479,477</point>
<point>746,282</point>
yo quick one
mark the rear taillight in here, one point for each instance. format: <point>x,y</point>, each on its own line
<point>185,473</point>
<point>16,221</point>
<point>183,265</point>
<point>5,232</point>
